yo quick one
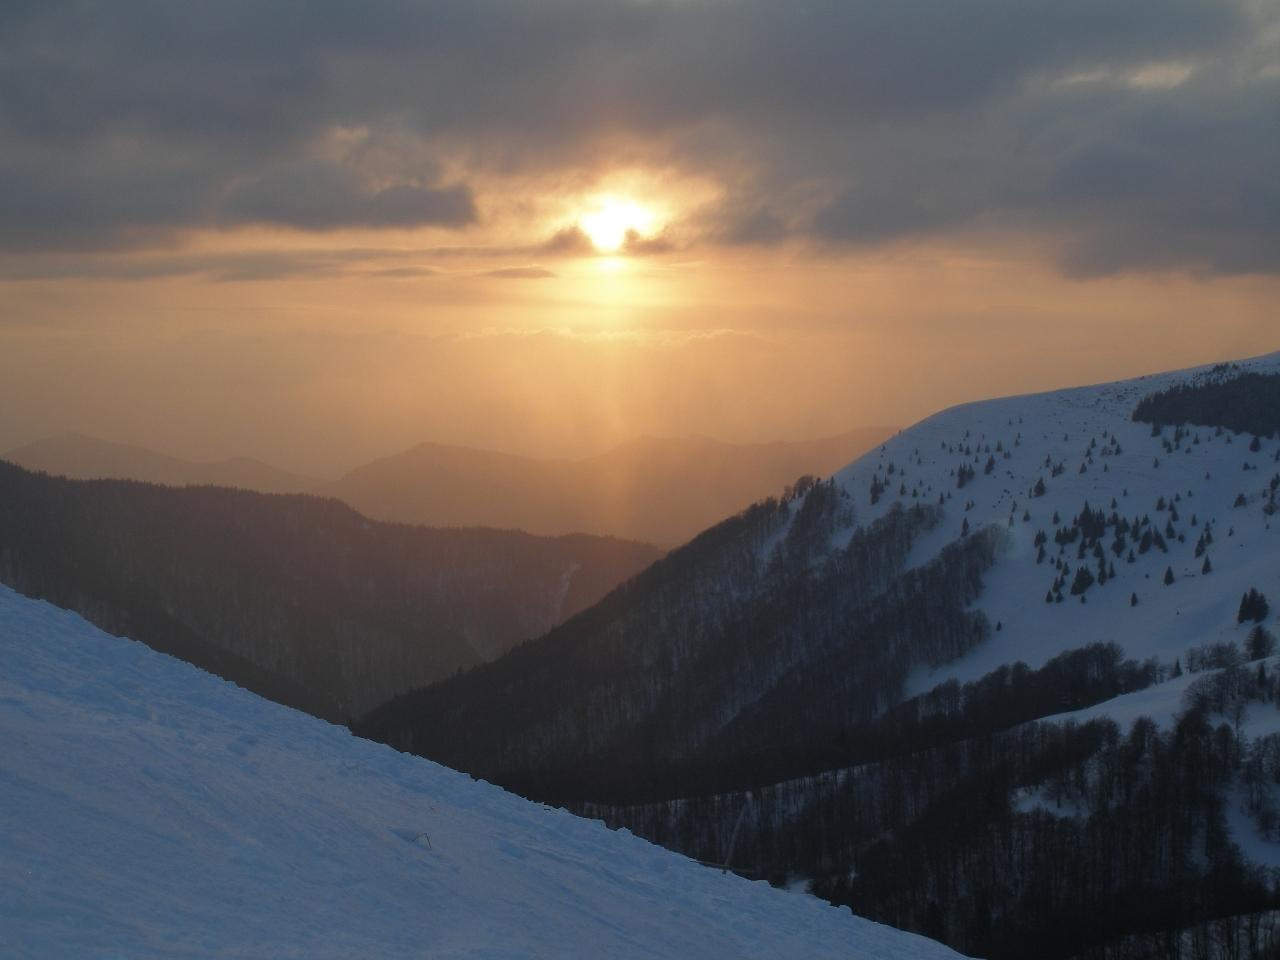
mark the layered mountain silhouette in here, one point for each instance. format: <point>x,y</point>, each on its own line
<point>660,491</point>
<point>295,597</point>
<point>656,490</point>
<point>82,457</point>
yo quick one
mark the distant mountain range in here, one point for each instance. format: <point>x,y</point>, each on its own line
<point>80,457</point>
<point>656,490</point>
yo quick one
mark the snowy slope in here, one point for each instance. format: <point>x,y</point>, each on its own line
<point>148,809</point>
<point>1059,428</point>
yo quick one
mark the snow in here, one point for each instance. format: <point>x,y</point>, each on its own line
<point>148,809</point>
<point>1253,845</point>
<point>1197,609</point>
<point>1163,702</point>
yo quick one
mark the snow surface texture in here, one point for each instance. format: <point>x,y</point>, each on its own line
<point>1059,427</point>
<point>148,809</point>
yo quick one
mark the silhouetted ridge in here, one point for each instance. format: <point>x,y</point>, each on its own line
<point>656,490</point>
<point>755,622</point>
<point>295,597</point>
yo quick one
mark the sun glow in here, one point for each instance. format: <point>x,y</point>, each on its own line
<point>611,220</point>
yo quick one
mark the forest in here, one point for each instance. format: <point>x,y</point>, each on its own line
<point>1042,839</point>
<point>780,641</point>
<point>1242,402</point>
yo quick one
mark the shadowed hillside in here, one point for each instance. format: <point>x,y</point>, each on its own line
<point>295,597</point>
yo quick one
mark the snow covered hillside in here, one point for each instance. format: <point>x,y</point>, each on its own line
<point>148,809</point>
<point>1084,447</point>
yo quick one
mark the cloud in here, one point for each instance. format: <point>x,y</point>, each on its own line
<point>753,226</point>
<point>520,273</point>
<point>405,273</point>
<point>568,241</point>
<point>316,196</point>
<point>1136,135</point>
<point>237,267</point>
<point>637,245</point>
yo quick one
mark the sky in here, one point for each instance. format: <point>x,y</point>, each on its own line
<point>320,232</point>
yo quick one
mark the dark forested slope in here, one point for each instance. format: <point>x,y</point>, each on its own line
<point>295,597</point>
<point>769,630</point>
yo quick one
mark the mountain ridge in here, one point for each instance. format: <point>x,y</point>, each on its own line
<point>83,457</point>
<point>297,597</point>
<point>660,490</point>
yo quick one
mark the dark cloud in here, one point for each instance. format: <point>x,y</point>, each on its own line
<point>851,121</point>
<point>636,244</point>
<point>249,266</point>
<point>1123,176</point>
<point>317,196</point>
<point>754,226</point>
<point>567,241</point>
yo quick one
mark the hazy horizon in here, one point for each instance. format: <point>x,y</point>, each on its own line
<point>317,453</point>
<point>612,446</point>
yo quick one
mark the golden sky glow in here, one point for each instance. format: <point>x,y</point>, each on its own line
<point>616,218</point>
<point>345,358</point>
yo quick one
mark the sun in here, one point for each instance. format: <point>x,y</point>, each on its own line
<point>611,220</point>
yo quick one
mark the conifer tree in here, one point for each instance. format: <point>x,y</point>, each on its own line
<point>1260,643</point>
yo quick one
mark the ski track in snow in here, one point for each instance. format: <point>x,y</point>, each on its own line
<point>148,809</point>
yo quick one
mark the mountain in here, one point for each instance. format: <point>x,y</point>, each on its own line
<point>88,458</point>
<point>659,491</point>
<point>150,810</point>
<point>876,681</point>
<point>295,597</point>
